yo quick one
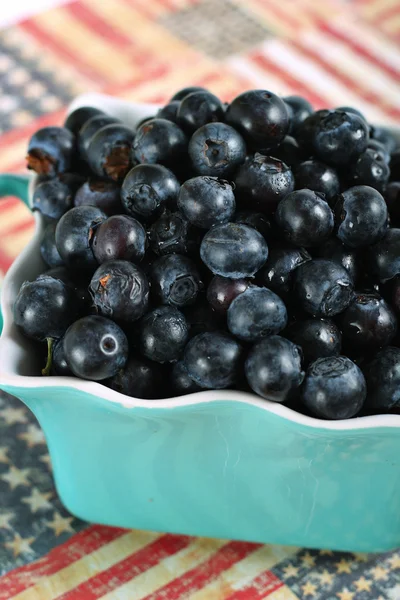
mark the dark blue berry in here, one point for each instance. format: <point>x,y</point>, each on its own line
<point>78,117</point>
<point>371,169</point>
<point>206,201</point>
<point>169,111</point>
<point>216,149</point>
<point>317,338</point>
<point>48,248</point>
<point>382,374</point>
<point>369,322</point>
<point>222,290</point>
<point>59,365</point>
<point>277,272</point>
<point>54,197</point>
<point>51,151</point>
<point>392,198</point>
<point>233,250</point>
<point>175,280</point>
<point>181,94</point>
<point>380,149</point>
<point>89,129</point>
<point>109,149</point>
<point>299,109</point>
<point>181,383</point>
<point>197,109</point>
<point>159,141</point>
<point>201,317</point>
<point>385,136</point>
<point>315,175</point>
<point>290,152</point>
<point>102,193</point>
<point>172,233</point>
<point>119,237</point>
<point>163,334</point>
<point>333,249</point>
<point>139,378</point>
<point>213,360</point>
<point>273,369</point>
<point>257,220</point>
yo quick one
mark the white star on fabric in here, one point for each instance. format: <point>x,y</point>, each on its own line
<point>37,500</point>
<point>15,477</point>
<point>32,436</point>
<point>20,545</point>
<point>13,415</point>
<point>5,519</point>
<point>60,524</point>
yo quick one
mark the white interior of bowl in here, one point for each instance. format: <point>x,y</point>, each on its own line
<point>19,364</point>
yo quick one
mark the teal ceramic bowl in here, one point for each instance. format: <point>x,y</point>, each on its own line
<point>216,463</point>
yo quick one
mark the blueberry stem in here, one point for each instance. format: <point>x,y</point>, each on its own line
<point>50,343</point>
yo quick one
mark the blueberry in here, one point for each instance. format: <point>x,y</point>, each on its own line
<point>380,149</point>
<point>290,152</point>
<point>333,249</point>
<point>45,308</point>
<point>139,378</point>
<point>261,117</point>
<point>95,348</point>
<point>197,109</point>
<point>352,111</point>
<point>163,335</point>
<point>120,290</point>
<point>263,181</point>
<point>48,248</point>
<point>335,137</point>
<point>370,169</point>
<point>169,111</point>
<point>256,313</point>
<point>361,216</point>
<point>299,109</point>
<point>59,364</point>
<point>51,150</point>
<point>216,149</point>
<point>78,117</point>
<point>213,360</point>
<point>395,166</point>
<point>77,281</point>
<point>257,220</point>
<point>222,290</point>
<point>305,218</point>
<point>54,197</point>
<point>74,236</point>
<point>206,201</point>
<point>392,198</point>
<point>315,175</point>
<point>368,322</point>
<point>385,136</point>
<point>102,193</point>
<point>175,280</point>
<point>147,189</point>
<point>334,388</point>
<point>159,141</point>
<point>233,250</point>
<point>181,383</point>
<point>172,234</point>
<point>181,94</point>
<point>382,374</point>
<point>318,338</point>
<point>119,237</point>
<point>322,287</point>
<point>277,272</point>
<point>273,369</point>
<point>90,128</point>
<point>108,153</point>
<point>384,256</point>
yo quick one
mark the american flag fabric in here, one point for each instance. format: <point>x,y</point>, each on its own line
<point>335,52</point>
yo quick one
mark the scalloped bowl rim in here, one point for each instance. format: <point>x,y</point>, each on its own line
<point>131,113</point>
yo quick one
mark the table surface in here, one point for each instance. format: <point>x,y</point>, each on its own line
<point>332,52</point>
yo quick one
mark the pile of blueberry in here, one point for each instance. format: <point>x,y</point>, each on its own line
<point>252,245</point>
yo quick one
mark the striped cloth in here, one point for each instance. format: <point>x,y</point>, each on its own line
<point>334,52</point>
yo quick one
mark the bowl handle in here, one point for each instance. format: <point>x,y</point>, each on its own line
<point>14,185</point>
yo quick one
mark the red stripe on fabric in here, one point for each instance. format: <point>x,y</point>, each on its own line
<point>299,87</point>
<point>127,569</point>
<point>367,95</point>
<point>5,264</point>
<point>284,16</point>
<point>155,72</point>
<point>50,42</point>
<point>8,202</point>
<point>75,548</point>
<point>24,133</point>
<point>18,227</point>
<point>207,571</point>
<point>387,14</point>
<point>260,587</point>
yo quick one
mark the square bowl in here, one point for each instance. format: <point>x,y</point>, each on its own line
<point>221,463</point>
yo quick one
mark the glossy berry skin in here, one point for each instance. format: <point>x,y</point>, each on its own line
<point>263,181</point>
<point>175,280</point>
<point>273,369</point>
<point>95,348</point>
<point>120,290</point>
<point>222,291</point>
<point>169,111</point>
<point>180,382</point>
<point>257,220</point>
<point>369,322</point>
<point>181,94</point>
<point>213,360</point>
<point>383,380</point>
<point>88,130</point>
<point>120,237</point>
<point>74,236</point>
<point>51,150</point>
<point>333,249</point>
<point>322,287</point>
<point>55,197</point>
<point>139,378</point>
<point>334,388</point>
<point>147,189</point>
<point>317,338</point>
<point>392,199</point>
<point>384,256</point>
<point>159,141</point>
<point>78,282</point>
<point>361,216</point>
<point>216,149</point>
<point>233,250</point>
<point>305,218</point>
<point>197,109</point>
<point>172,234</point>
<point>380,149</point>
<point>108,153</point>
<point>290,152</point>
<point>78,117</point>
<point>319,177</point>
<point>206,201</point>
<point>261,117</point>
<point>59,365</point>
<point>370,169</point>
<point>299,109</point>
<point>44,308</point>
<point>256,313</point>
<point>48,248</point>
<point>334,137</point>
<point>385,136</point>
<point>277,272</point>
<point>102,193</point>
<point>351,110</point>
<point>163,334</point>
